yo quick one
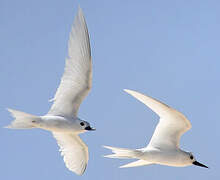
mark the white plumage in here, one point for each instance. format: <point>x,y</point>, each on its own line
<point>77,78</point>
<point>74,151</point>
<point>171,126</point>
<point>164,145</point>
<point>62,118</point>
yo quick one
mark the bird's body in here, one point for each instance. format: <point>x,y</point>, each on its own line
<point>62,119</point>
<point>150,155</point>
<point>163,147</point>
<point>58,124</point>
<point>172,157</point>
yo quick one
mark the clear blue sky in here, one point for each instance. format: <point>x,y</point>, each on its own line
<point>166,49</point>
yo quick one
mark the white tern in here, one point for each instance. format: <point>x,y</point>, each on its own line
<point>62,118</point>
<point>163,148</point>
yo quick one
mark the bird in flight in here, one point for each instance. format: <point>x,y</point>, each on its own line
<point>62,119</point>
<point>163,148</point>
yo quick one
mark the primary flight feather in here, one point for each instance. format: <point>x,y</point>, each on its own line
<point>62,118</point>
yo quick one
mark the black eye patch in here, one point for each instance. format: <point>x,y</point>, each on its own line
<point>191,157</point>
<point>82,124</point>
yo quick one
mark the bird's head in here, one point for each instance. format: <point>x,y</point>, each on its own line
<point>84,126</point>
<point>192,159</point>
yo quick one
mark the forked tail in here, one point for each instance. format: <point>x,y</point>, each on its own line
<point>22,120</point>
<point>123,153</point>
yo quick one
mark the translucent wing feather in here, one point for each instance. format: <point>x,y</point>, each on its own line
<point>171,126</point>
<point>77,78</point>
<point>74,151</point>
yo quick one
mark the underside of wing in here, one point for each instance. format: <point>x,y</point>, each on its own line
<point>158,107</point>
<point>168,132</point>
<point>172,123</point>
<point>77,78</point>
<point>74,152</point>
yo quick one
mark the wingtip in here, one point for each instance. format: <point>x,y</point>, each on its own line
<point>79,173</point>
<point>82,171</point>
<point>129,91</point>
<point>80,12</point>
<point>126,90</point>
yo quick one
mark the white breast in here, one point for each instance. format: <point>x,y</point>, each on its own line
<point>58,124</point>
<point>176,158</point>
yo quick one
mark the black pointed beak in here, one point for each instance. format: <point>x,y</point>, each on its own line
<point>199,164</point>
<point>88,128</point>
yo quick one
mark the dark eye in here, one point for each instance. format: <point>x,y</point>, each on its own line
<point>82,124</point>
<point>191,157</point>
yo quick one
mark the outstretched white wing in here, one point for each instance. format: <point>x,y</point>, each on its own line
<point>171,126</point>
<point>77,78</point>
<point>74,151</point>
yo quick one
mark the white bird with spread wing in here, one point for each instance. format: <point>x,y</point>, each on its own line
<point>62,118</point>
<point>163,148</point>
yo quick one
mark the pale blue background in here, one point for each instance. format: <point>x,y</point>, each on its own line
<point>166,49</point>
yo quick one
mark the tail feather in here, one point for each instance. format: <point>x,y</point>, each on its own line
<point>136,163</point>
<point>117,156</point>
<point>122,153</point>
<point>22,120</point>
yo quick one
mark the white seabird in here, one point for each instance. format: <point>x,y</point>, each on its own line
<point>163,148</point>
<point>62,118</point>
